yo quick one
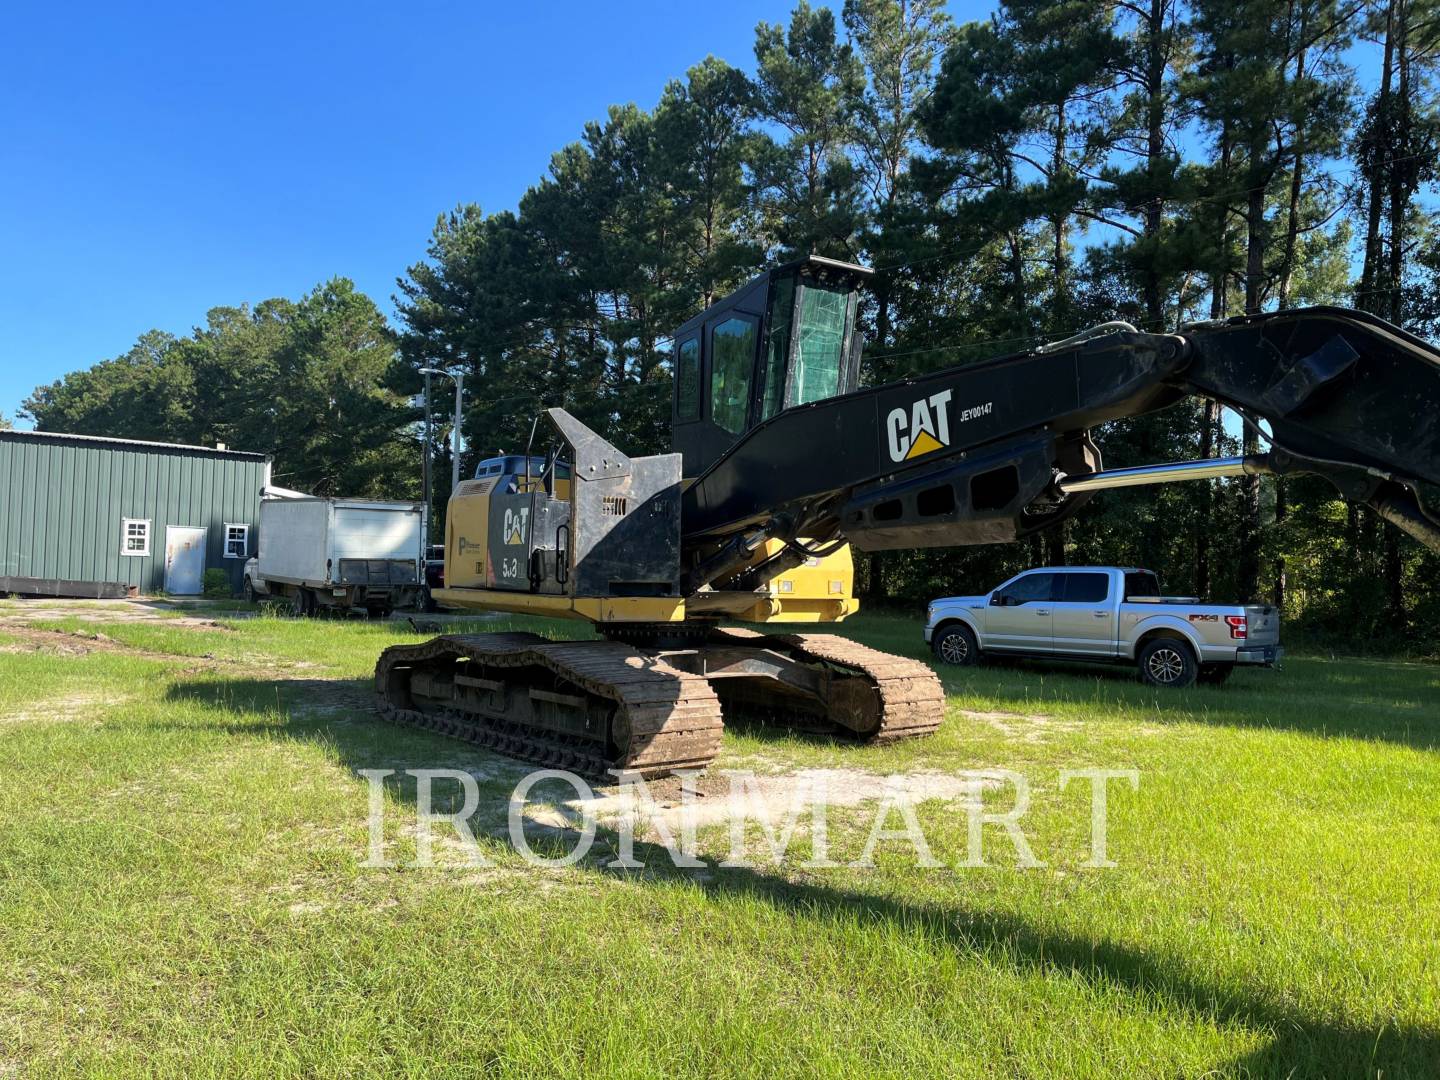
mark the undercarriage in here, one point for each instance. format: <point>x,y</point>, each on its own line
<point>619,709</point>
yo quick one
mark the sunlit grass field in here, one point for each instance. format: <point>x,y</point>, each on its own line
<point>183,826</point>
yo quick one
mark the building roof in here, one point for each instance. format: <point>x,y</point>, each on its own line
<point>106,443</point>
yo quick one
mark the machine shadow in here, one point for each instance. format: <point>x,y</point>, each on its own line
<point>1298,1044</point>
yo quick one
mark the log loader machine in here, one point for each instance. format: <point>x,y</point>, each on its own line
<point>783,462</point>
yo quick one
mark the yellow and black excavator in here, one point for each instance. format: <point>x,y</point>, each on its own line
<point>783,462</point>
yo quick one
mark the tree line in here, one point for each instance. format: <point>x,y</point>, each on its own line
<point>1012,180</point>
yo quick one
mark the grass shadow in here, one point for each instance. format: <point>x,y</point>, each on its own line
<point>1297,1043</point>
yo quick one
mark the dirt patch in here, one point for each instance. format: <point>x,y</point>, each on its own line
<point>117,611</point>
<point>1025,727</point>
<point>64,642</point>
<point>68,708</point>
<point>720,798</point>
<point>24,639</point>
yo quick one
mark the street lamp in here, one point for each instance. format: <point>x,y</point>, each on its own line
<point>459,379</point>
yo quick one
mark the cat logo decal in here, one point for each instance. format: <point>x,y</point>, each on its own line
<point>516,525</point>
<point>924,427</point>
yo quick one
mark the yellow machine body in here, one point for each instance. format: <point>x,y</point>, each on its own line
<point>817,591</point>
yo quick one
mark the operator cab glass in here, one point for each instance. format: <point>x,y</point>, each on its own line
<point>513,465</point>
<point>785,340</point>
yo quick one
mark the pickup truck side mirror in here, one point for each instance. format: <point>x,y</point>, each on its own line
<point>1001,600</point>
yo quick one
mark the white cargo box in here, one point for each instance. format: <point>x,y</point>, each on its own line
<point>319,542</point>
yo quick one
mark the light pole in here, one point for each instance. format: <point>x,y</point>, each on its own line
<point>425,481</point>
<point>459,379</point>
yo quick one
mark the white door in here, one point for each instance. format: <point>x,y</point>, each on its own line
<point>184,560</point>
<point>1019,614</point>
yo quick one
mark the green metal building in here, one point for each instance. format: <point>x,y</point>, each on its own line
<point>87,516</point>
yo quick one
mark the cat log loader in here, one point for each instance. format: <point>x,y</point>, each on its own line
<point>783,462</point>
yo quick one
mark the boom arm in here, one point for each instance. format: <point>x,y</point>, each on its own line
<point>995,451</point>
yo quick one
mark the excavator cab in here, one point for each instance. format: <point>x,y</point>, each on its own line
<point>785,339</point>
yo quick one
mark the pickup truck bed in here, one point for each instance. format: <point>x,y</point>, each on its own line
<point>1109,615</point>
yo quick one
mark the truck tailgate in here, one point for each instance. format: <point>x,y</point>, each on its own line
<point>1263,624</point>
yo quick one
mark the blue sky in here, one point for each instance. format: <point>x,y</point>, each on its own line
<point>162,159</point>
<point>158,160</point>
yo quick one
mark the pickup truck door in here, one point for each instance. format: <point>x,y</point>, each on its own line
<point>1084,613</point>
<point>1019,614</point>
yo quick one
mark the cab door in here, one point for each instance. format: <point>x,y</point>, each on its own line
<point>1019,616</point>
<point>1083,613</point>
<point>714,384</point>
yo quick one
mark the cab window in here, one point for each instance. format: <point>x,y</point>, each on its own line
<point>819,354</point>
<point>782,315</point>
<point>1083,588</point>
<point>687,380</point>
<point>732,358</point>
<point>1026,590</point>
<point>1141,583</point>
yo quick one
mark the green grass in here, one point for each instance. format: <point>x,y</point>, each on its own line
<point>181,890</point>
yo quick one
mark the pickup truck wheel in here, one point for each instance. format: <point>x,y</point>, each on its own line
<point>956,645</point>
<point>1168,662</point>
<point>1215,674</point>
<point>248,591</point>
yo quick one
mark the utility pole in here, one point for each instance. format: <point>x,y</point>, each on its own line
<point>425,475</point>
<point>458,377</point>
<point>459,412</point>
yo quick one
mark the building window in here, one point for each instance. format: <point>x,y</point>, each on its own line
<point>237,541</point>
<point>134,536</point>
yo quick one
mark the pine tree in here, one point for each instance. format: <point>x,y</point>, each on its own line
<point>806,187</point>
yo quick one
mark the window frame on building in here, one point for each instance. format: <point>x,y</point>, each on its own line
<point>244,527</point>
<point>125,537</point>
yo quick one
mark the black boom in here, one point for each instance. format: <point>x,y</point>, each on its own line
<point>979,453</point>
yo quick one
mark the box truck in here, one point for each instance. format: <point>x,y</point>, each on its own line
<point>339,554</point>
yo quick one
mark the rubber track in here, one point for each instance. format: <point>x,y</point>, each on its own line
<point>673,717</point>
<point>912,699</point>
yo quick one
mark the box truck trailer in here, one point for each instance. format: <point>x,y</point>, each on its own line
<point>338,554</point>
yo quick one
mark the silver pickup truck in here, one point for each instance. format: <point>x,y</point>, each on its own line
<point>1105,614</point>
